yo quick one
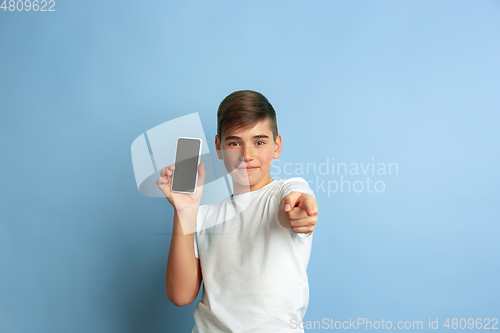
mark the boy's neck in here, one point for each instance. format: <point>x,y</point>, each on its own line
<point>240,189</point>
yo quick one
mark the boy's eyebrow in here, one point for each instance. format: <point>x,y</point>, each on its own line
<point>261,136</point>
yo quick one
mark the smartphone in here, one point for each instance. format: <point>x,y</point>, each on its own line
<point>187,159</point>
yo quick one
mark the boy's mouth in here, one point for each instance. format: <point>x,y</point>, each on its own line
<point>248,169</point>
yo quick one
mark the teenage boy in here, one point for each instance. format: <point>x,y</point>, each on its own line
<point>252,248</point>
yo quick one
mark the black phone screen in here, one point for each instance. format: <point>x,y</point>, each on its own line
<point>186,165</point>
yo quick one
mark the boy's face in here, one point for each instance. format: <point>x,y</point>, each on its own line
<point>248,154</point>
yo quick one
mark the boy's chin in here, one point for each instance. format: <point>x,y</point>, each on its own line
<point>242,178</point>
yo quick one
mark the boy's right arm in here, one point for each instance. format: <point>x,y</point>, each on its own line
<point>183,276</point>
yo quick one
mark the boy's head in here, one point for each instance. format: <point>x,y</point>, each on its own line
<point>247,137</point>
<point>242,110</point>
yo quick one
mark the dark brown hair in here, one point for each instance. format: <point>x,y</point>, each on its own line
<point>243,109</point>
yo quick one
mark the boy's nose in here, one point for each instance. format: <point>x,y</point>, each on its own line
<point>247,154</point>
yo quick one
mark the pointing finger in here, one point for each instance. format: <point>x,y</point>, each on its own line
<point>308,203</point>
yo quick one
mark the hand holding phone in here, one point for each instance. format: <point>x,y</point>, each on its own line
<point>182,183</point>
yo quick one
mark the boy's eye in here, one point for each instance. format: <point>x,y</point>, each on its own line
<point>234,143</point>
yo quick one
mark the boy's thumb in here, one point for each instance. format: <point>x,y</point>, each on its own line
<point>289,203</point>
<point>291,200</point>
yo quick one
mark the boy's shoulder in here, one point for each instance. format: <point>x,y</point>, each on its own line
<point>295,184</point>
<point>294,179</point>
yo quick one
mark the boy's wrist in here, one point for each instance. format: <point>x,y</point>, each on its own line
<point>185,220</point>
<point>187,210</point>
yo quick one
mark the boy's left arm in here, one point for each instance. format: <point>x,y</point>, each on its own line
<point>298,212</point>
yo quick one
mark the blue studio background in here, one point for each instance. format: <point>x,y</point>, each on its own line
<point>413,83</point>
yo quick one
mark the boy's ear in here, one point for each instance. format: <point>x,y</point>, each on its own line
<point>277,149</point>
<point>217,147</point>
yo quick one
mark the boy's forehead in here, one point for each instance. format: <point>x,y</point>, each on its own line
<point>261,127</point>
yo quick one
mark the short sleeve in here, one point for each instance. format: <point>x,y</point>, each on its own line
<point>196,245</point>
<point>199,220</point>
<point>297,184</point>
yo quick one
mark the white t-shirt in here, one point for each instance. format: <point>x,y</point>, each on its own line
<point>254,270</point>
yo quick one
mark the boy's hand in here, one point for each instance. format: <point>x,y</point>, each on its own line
<point>181,201</point>
<point>298,212</point>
